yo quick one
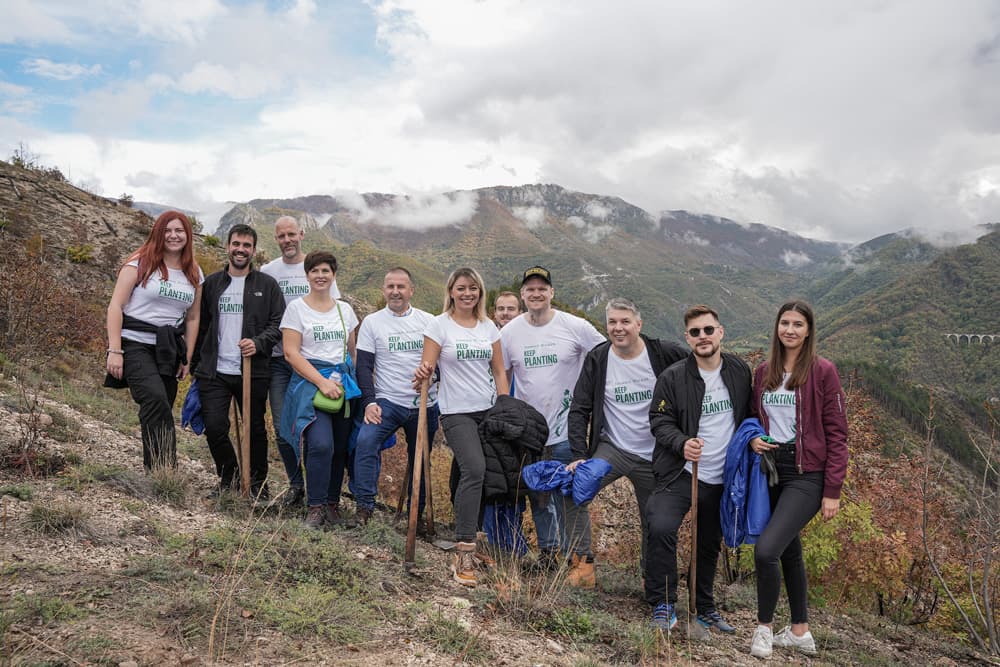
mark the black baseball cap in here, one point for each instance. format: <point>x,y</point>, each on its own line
<point>537,272</point>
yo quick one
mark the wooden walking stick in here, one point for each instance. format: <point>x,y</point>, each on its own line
<point>692,577</point>
<point>244,457</point>
<point>429,509</point>
<point>409,556</point>
<point>402,489</point>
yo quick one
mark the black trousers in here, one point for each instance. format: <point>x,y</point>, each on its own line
<point>665,511</point>
<point>794,501</point>
<point>216,395</point>
<point>155,394</point>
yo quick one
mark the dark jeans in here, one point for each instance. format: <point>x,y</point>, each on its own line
<point>281,373</point>
<point>369,448</point>
<point>325,452</point>
<point>216,395</point>
<point>638,470</point>
<point>155,395</point>
<point>549,510</point>
<point>665,511</point>
<point>461,431</point>
<point>794,501</point>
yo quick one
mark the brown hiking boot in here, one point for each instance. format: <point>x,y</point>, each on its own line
<point>581,572</point>
<point>316,517</point>
<point>463,563</point>
<point>483,558</point>
<point>362,516</point>
<point>336,519</point>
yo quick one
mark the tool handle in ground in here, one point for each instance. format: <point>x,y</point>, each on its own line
<point>409,555</point>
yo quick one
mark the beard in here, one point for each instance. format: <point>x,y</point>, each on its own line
<point>706,352</point>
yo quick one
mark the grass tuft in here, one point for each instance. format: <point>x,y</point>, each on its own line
<point>22,492</point>
<point>170,485</point>
<point>449,636</point>
<point>57,519</point>
<point>314,609</point>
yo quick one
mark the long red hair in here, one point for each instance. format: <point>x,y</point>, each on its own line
<point>150,255</point>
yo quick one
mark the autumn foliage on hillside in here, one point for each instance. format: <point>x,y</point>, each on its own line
<point>873,555</point>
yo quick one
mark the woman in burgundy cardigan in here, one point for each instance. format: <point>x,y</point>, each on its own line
<point>798,398</point>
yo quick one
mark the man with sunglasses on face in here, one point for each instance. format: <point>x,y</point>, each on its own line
<point>697,404</point>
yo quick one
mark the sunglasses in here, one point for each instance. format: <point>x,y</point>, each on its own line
<point>694,332</point>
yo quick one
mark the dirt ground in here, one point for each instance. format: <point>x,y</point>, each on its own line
<point>136,579</point>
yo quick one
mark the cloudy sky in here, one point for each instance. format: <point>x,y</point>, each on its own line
<point>834,120</point>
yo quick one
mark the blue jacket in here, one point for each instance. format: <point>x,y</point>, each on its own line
<point>191,411</point>
<point>746,502</point>
<point>298,411</point>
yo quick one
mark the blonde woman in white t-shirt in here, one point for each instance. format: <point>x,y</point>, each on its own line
<point>465,346</point>
<point>318,332</point>
<point>152,324</point>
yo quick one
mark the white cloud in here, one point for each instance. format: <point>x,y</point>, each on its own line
<point>532,216</point>
<point>61,71</point>
<point>785,125</point>
<point>595,233</point>
<point>595,209</point>
<point>795,259</point>
<point>415,212</point>
<point>691,238</point>
<point>13,90</point>
<point>27,20</point>
<point>242,82</point>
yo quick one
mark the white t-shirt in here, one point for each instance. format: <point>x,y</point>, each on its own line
<point>467,383</point>
<point>397,343</point>
<point>229,359</point>
<point>324,334</point>
<point>780,408</point>
<point>545,361</point>
<point>628,391</point>
<point>715,427</point>
<point>159,302</point>
<point>292,281</point>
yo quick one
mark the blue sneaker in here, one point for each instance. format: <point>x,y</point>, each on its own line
<point>713,619</point>
<point>664,617</point>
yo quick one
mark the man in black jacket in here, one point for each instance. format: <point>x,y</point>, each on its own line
<point>697,405</point>
<point>612,397</point>
<point>241,309</point>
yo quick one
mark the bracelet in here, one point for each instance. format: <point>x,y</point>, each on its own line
<point>121,352</point>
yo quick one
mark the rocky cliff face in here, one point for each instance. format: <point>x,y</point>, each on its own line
<point>75,232</point>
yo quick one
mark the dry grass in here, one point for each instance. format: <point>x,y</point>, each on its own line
<point>58,519</point>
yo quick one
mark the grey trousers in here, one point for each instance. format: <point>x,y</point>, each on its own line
<point>461,432</point>
<point>638,470</point>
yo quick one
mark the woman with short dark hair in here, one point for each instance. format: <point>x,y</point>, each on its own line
<point>318,338</point>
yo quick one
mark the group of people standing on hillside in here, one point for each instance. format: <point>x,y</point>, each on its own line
<point>654,411</point>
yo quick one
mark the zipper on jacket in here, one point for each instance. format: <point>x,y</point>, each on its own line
<point>798,429</point>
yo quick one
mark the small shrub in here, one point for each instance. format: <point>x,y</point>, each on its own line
<point>212,241</point>
<point>80,254</point>
<point>449,636</point>
<point>313,609</point>
<point>86,474</point>
<point>170,485</point>
<point>572,623</point>
<point>36,609</point>
<point>58,518</point>
<point>22,492</point>
<point>126,200</point>
<point>378,533</point>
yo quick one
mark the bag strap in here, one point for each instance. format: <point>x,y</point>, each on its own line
<point>344,326</point>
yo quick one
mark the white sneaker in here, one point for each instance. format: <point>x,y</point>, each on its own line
<point>760,645</point>
<point>788,639</point>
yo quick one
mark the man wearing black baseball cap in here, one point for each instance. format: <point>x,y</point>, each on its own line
<point>544,350</point>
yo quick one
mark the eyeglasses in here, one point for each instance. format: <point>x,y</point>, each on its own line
<point>694,332</point>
